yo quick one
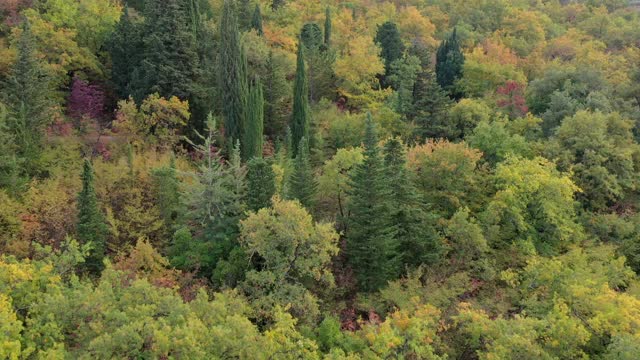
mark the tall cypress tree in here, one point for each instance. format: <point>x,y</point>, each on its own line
<point>300,118</point>
<point>372,249</point>
<point>416,236</point>
<point>388,37</point>
<point>449,62</point>
<point>91,226</point>
<point>256,20</point>
<point>26,94</point>
<point>302,183</point>
<point>233,76</point>
<point>254,127</point>
<point>327,27</point>
<point>261,184</point>
<point>170,61</point>
<point>125,47</point>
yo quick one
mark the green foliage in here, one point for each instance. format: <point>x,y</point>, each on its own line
<point>254,127</point>
<point>126,49</point>
<point>300,117</point>
<point>91,227</point>
<point>302,182</point>
<point>388,38</point>
<point>430,106</point>
<point>256,21</point>
<point>261,185</point>
<point>449,62</point>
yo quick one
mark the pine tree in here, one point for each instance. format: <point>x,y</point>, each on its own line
<point>449,63</point>
<point>430,106</point>
<point>254,128</point>
<point>256,20</point>
<point>371,246</point>
<point>233,76</point>
<point>91,227</point>
<point>27,97</point>
<point>319,60</point>
<point>170,61</point>
<point>327,28</point>
<point>388,37</point>
<point>300,118</point>
<point>302,183</point>
<point>416,237</point>
<point>125,47</point>
<point>261,185</point>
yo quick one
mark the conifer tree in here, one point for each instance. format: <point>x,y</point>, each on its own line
<point>388,37</point>
<point>167,194</point>
<point>416,237</point>
<point>277,91</point>
<point>11,176</point>
<point>449,63</point>
<point>302,182</point>
<point>300,118</point>
<point>244,15</point>
<point>91,227</point>
<point>319,60</point>
<point>233,76</point>
<point>254,128</point>
<point>327,28</point>
<point>276,4</point>
<point>261,184</point>
<point>125,47</point>
<point>371,246</point>
<point>430,106</point>
<point>256,20</point>
<point>27,97</point>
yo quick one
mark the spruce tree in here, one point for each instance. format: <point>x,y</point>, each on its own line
<point>300,118</point>
<point>371,247</point>
<point>91,227</point>
<point>170,61</point>
<point>125,47</point>
<point>327,28</point>
<point>302,182</point>
<point>166,187</point>
<point>319,60</point>
<point>449,63</point>
<point>26,93</point>
<point>254,128</point>
<point>261,184</point>
<point>277,91</point>
<point>256,20</point>
<point>233,76</point>
<point>430,106</point>
<point>416,237</point>
<point>388,37</point>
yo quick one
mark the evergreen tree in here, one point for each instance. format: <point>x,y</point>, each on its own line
<point>167,194</point>
<point>300,118</point>
<point>320,60</point>
<point>254,128</point>
<point>27,97</point>
<point>416,237</point>
<point>91,227</point>
<point>371,246</point>
<point>449,63</point>
<point>261,185</point>
<point>256,20</point>
<point>11,176</point>
<point>327,28</point>
<point>276,4</point>
<point>170,64</point>
<point>277,92</point>
<point>302,182</point>
<point>388,37</point>
<point>125,47</point>
<point>233,76</point>
<point>430,106</point>
<point>244,15</point>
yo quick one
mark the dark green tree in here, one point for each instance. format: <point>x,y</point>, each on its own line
<point>233,75</point>
<point>430,106</point>
<point>26,93</point>
<point>327,28</point>
<point>261,184</point>
<point>449,63</point>
<point>91,227</point>
<point>277,95</point>
<point>371,248</point>
<point>166,186</point>
<point>11,174</point>
<point>302,183</point>
<point>244,15</point>
<point>300,121</point>
<point>125,47</point>
<point>276,4</point>
<point>416,236</point>
<point>256,20</point>
<point>388,37</point>
<point>320,60</point>
<point>254,127</point>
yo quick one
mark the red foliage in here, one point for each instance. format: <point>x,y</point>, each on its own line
<point>85,100</point>
<point>511,99</point>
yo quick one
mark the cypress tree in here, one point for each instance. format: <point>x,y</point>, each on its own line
<point>26,93</point>
<point>300,118</point>
<point>416,236</point>
<point>233,76</point>
<point>261,184</point>
<point>449,63</point>
<point>254,128</point>
<point>302,184</point>
<point>125,47</point>
<point>388,37</point>
<point>170,61</point>
<point>371,246</point>
<point>327,27</point>
<point>256,20</point>
<point>91,227</point>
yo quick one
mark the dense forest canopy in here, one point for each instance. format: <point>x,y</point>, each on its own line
<point>257,179</point>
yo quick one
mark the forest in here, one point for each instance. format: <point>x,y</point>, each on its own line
<point>330,179</point>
